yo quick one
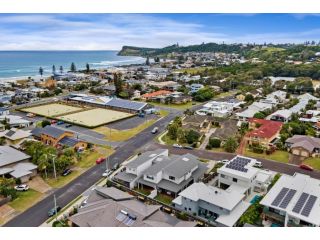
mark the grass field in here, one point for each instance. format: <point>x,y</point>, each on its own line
<point>25,200</point>
<point>278,156</point>
<point>51,110</point>
<point>95,117</point>
<point>177,106</point>
<point>115,135</point>
<point>164,198</point>
<point>313,162</point>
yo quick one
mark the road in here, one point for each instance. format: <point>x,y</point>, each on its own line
<point>37,214</point>
<point>289,169</point>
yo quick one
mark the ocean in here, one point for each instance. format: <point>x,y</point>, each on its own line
<point>23,64</point>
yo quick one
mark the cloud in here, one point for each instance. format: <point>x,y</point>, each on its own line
<point>112,31</point>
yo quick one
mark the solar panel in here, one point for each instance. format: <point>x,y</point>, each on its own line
<point>280,196</point>
<point>120,217</point>
<point>309,205</point>
<point>301,201</point>
<point>286,200</point>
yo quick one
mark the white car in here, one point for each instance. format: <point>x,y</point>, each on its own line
<point>106,173</point>
<point>223,161</point>
<point>22,187</point>
<point>177,145</point>
<point>258,164</point>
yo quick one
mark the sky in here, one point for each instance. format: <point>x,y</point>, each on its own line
<point>112,31</point>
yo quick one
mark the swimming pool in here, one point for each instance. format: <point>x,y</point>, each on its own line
<point>255,199</point>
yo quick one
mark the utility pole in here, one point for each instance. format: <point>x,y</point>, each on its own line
<point>54,165</point>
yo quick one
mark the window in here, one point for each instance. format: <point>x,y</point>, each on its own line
<point>189,209</point>
<point>234,180</point>
<point>223,176</point>
<point>172,178</point>
<point>150,177</point>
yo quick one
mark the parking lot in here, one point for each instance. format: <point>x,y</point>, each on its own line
<point>131,122</point>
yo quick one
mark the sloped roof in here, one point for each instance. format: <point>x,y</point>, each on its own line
<point>266,130</point>
<point>307,142</point>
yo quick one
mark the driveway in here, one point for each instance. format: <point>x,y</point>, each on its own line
<point>207,138</point>
<point>38,184</point>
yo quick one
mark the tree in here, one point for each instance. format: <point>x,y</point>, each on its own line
<point>73,67</point>
<point>157,59</point>
<point>259,115</point>
<point>61,69</point>
<point>173,131</point>
<point>41,71</point>
<point>203,95</point>
<point>249,98</point>
<point>2,141</point>
<point>53,69</point>
<point>230,145</point>
<point>118,83</point>
<point>192,136</point>
<point>45,123</point>
<point>87,68</point>
<point>214,142</point>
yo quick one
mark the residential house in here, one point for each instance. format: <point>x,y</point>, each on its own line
<point>201,124</point>
<point>222,207</point>
<point>252,110</point>
<point>14,137</point>
<point>57,137</point>
<point>15,121</point>
<point>14,163</point>
<point>195,87</point>
<point>161,172</point>
<point>156,94</point>
<point>265,132</point>
<point>219,109</point>
<point>283,115</point>
<point>241,174</point>
<point>294,201</point>
<point>304,146</point>
<point>110,207</point>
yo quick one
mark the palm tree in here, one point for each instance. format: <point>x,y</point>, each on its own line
<point>53,69</point>
<point>61,69</point>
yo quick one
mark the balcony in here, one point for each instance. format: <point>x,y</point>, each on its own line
<point>273,216</point>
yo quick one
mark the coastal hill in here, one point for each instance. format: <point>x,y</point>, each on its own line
<point>204,47</point>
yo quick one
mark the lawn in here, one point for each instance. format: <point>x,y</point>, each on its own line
<point>115,135</point>
<point>313,162</point>
<point>225,94</point>
<point>61,180</point>
<point>164,198</point>
<point>278,156</point>
<point>25,200</point>
<point>143,191</point>
<point>167,140</point>
<point>177,106</point>
<point>163,113</point>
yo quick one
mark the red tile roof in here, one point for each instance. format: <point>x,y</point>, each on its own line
<point>157,93</point>
<point>267,129</point>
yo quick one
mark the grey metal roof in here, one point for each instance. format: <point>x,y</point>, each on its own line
<point>158,165</point>
<point>125,177</point>
<point>52,131</point>
<point>9,155</point>
<point>126,104</point>
<point>113,193</point>
<point>68,141</point>
<point>20,173</point>
<point>5,170</point>
<point>144,157</point>
<point>36,132</point>
<point>182,165</point>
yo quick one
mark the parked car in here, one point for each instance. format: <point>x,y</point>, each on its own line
<point>188,147</point>
<point>60,122</point>
<point>177,145</point>
<point>53,211</point>
<point>100,160</point>
<point>106,173</point>
<point>224,161</point>
<point>115,167</point>
<point>66,172</point>
<point>22,187</point>
<point>30,115</point>
<point>155,130</point>
<point>258,164</point>
<point>306,167</point>
<point>53,121</point>
<point>68,125</point>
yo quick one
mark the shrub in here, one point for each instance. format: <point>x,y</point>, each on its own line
<point>214,142</point>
